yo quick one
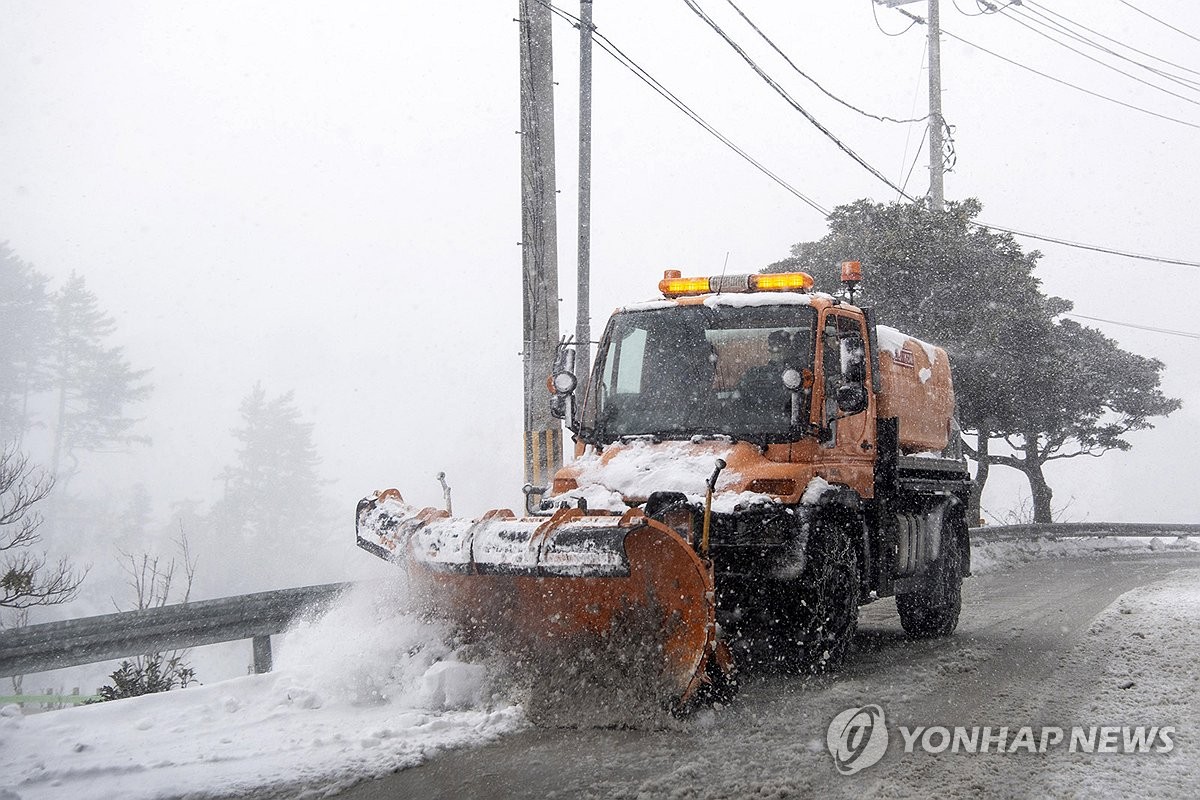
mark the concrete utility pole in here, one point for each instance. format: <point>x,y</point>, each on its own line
<point>937,197</point>
<point>539,240</point>
<point>583,312</point>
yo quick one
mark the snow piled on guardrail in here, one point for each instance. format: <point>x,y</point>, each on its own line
<point>989,555</point>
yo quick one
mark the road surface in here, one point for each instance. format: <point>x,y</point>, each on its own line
<point>1013,661</point>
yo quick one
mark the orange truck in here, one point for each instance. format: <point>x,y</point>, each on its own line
<point>754,460</point>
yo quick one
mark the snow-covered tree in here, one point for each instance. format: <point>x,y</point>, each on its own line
<point>1019,374</point>
<point>1088,394</point>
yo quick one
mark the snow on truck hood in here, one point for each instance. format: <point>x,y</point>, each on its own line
<point>630,472</point>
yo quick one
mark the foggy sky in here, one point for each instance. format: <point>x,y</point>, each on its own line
<point>326,197</point>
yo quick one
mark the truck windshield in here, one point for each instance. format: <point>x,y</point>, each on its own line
<point>682,371</point>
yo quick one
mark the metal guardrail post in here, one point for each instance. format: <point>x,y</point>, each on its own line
<point>262,654</point>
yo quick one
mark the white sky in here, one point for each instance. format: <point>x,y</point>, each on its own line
<point>326,197</point>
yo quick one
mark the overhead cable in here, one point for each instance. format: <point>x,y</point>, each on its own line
<point>811,80</point>
<point>792,101</point>
<point>621,58</point>
<point>1184,334</point>
<point>875,14</point>
<point>617,54</point>
<point>1043,10</point>
<point>1159,21</point>
<point>1095,248</point>
<point>1057,80</point>
<point>1013,18</point>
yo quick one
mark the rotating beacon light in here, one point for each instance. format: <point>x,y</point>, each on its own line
<point>851,277</point>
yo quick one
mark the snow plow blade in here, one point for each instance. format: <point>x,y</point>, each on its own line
<point>573,586</point>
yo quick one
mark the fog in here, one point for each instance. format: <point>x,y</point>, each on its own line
<point>325,198</point>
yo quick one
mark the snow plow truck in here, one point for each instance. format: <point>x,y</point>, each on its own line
<point>753,461</point>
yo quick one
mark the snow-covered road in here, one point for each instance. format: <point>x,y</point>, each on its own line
<point>1053,634</point>
<point>1057,642</point>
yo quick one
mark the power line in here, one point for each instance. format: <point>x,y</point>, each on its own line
<point>1095,248</point>
<point>621,58</point>
<point>1095,60</point>
<point>916,157</point>
<point>811,80</point>
<point>1045,20</point>
<point>1184,334</point>
<point>979,13</point>
<point>791,101</point>
<point>1057,80</point>
<point>1036,7</point>
<point>908,131</point>
<point>617,54</point>
<point>875,14</point>
<point>1159,21</point>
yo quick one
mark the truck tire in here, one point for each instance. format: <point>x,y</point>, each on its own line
<point>933,609</point>
<point>825,615</point>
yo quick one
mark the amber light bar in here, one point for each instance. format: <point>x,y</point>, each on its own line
<point>674,285</point>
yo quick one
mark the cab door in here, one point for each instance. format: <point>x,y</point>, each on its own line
<point>846,404</point>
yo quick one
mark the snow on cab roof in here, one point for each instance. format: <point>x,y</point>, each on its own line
<point>735,300</point>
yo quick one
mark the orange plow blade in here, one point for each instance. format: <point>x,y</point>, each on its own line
<point>564,588</point>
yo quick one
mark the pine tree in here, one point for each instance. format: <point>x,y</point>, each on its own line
<point>272,501</point>
<point>26,331</point>
<point>93,382</point>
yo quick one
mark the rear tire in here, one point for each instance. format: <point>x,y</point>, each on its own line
<point>825,615</point>
<point>933,609</point>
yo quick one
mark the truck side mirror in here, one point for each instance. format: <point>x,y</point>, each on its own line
<point>562,384</point>
<point>852,393</point>
<point>851,398</point>
<point>854,359</point>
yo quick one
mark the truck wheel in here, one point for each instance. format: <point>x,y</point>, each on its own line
<point>826,614</point>
<point>933,610</point>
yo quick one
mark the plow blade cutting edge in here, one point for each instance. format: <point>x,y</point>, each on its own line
<point>567,586</point>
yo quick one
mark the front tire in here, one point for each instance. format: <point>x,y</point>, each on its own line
<point>825,616</point>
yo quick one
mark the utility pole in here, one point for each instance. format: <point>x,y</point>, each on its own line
<point>539,241</point>
<point>583,305</point>
<point>937,197</point>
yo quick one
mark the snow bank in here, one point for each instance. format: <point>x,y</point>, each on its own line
<point>995,556</point>
<point>362,691</point>
<point>1144,648</point>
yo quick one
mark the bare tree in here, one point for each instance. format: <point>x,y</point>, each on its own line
<point>153,579</point>
<point>28,578</point>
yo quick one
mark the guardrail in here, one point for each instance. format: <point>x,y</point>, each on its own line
<point>54,645</point>
<point>1054,530</point>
